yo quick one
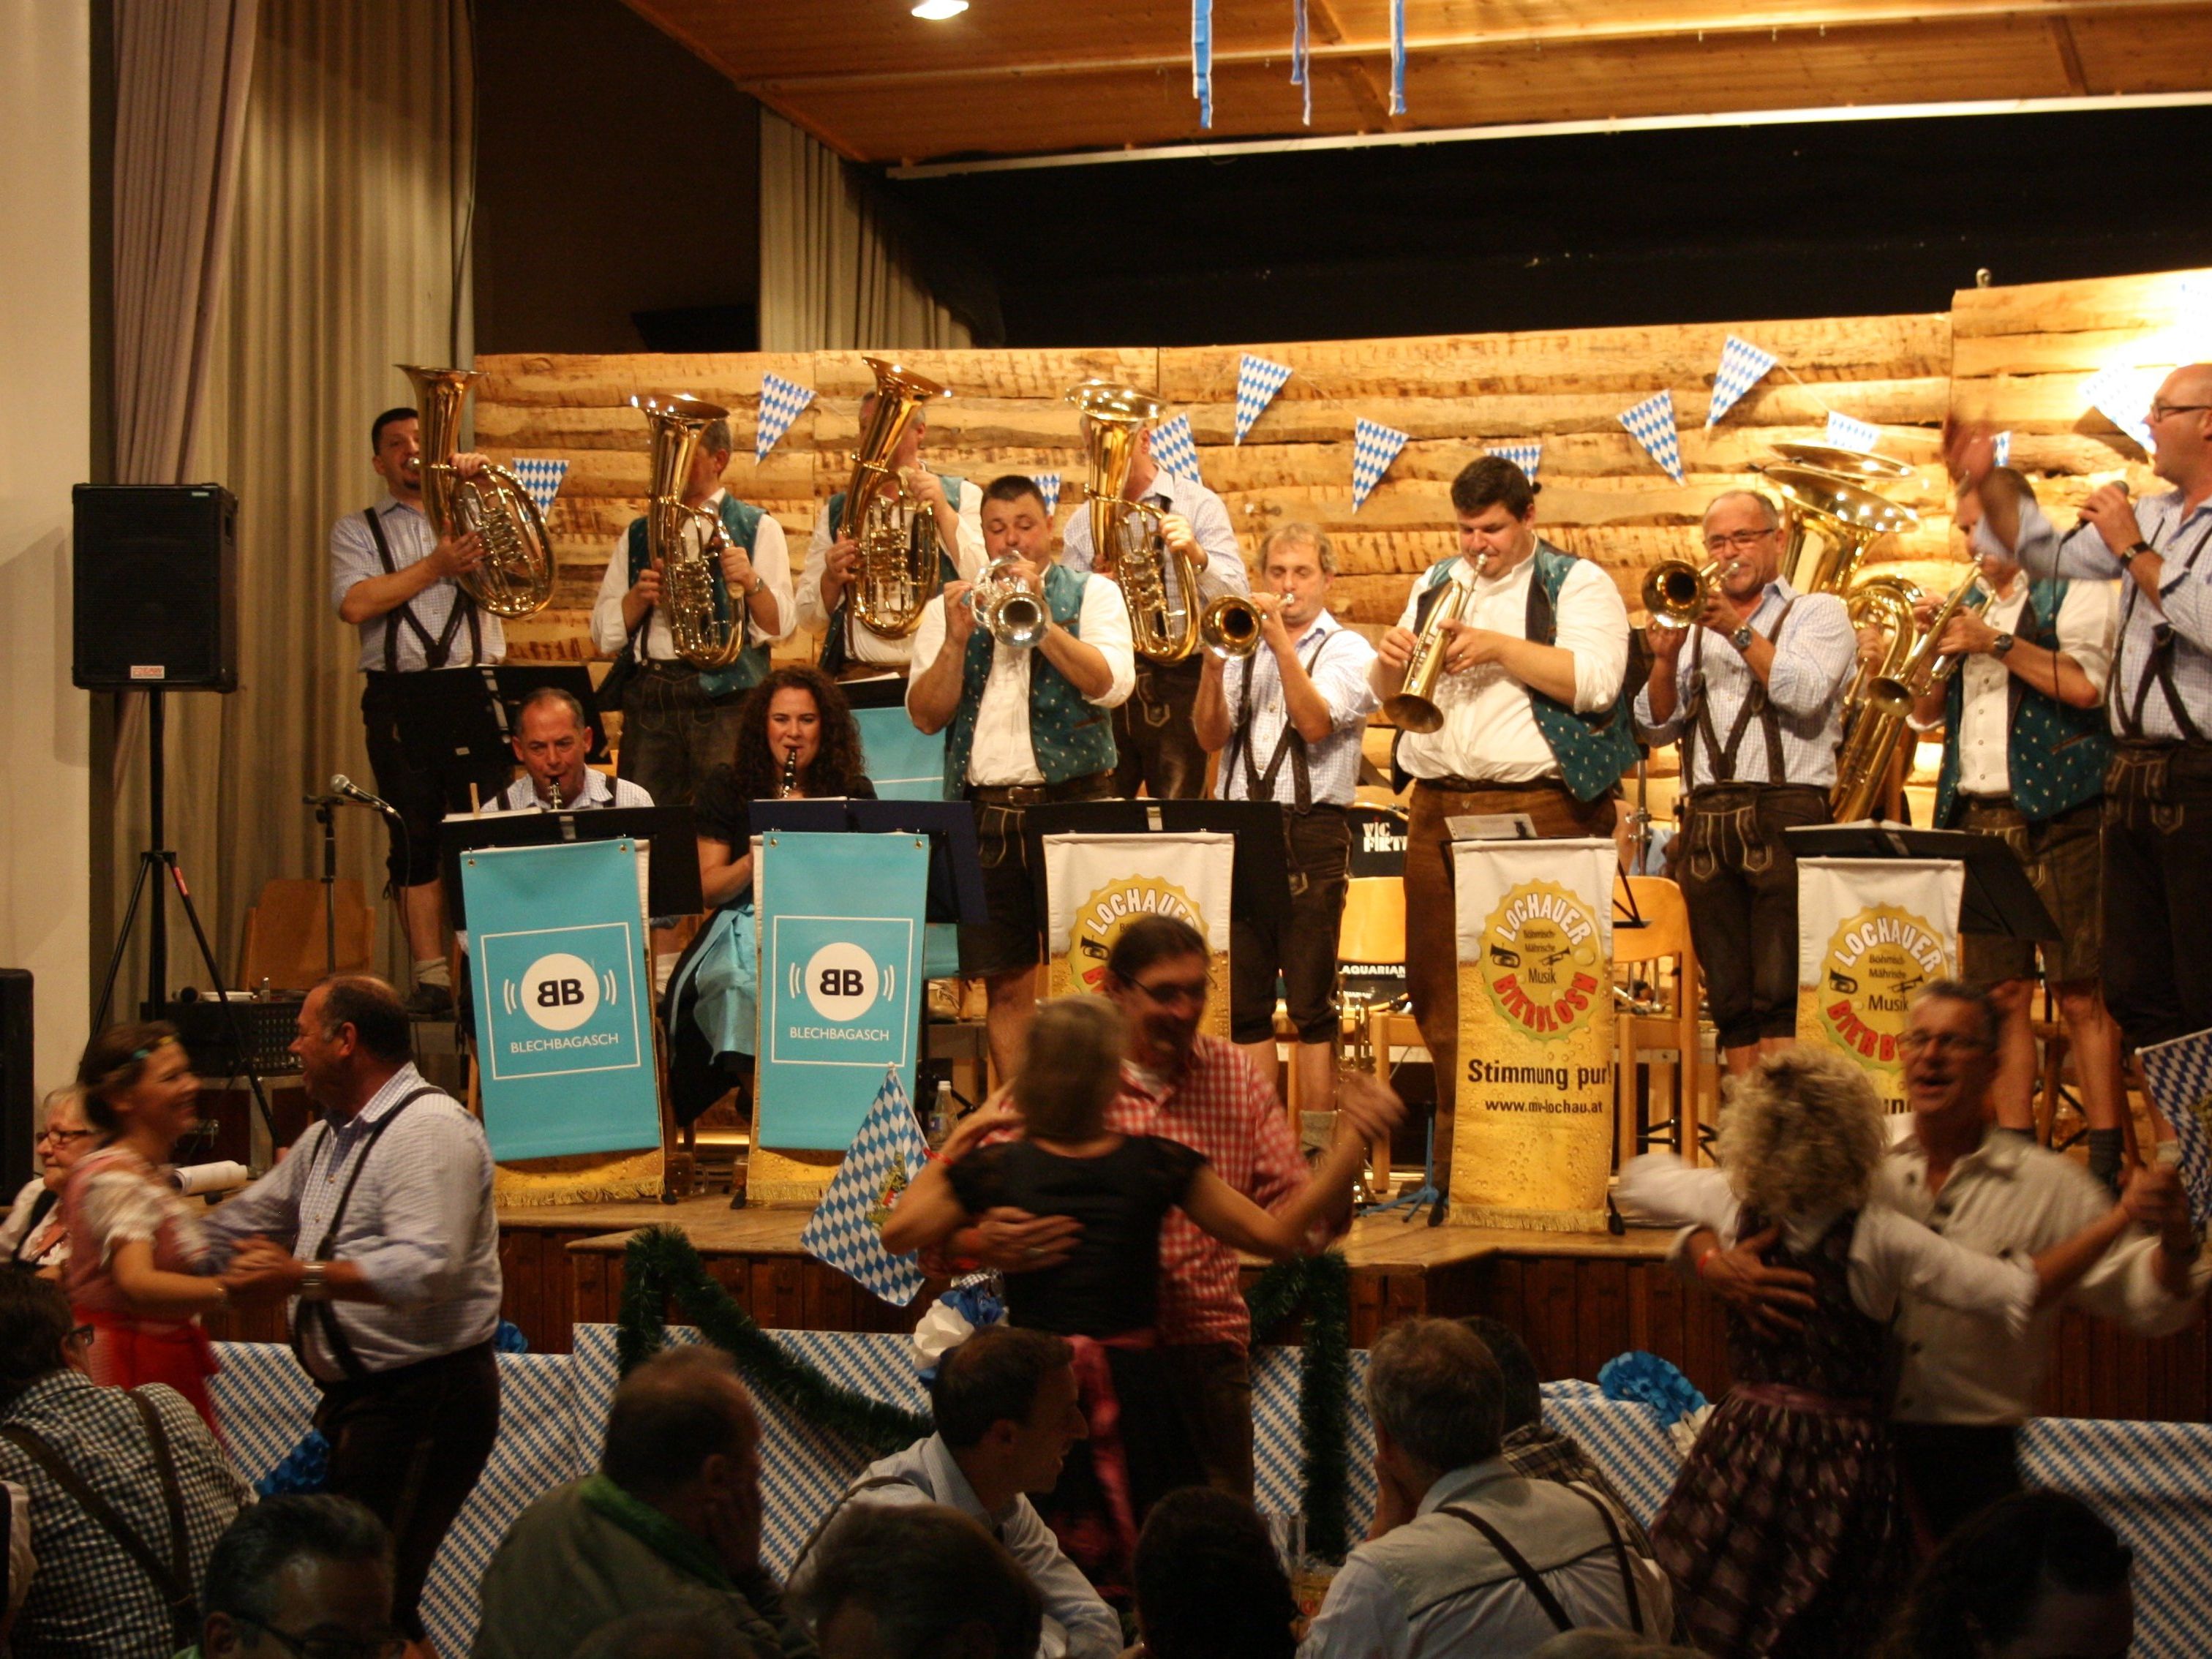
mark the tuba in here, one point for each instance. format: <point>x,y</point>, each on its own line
<point>515,577</point>
<point>1414,708</point>
<point>1834,516</point>
<point>703,636</point>
<point>900,563</point>
<point>1872,734</point>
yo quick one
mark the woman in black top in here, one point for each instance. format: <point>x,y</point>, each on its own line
<point>1105,1294</point>
<point>796,736</point>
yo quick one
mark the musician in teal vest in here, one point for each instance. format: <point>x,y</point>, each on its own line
<point>850,648</point>
<point>1024,726</point>
<point>2024,748</point>
<point>679,721</point>
<point>1533,722</point>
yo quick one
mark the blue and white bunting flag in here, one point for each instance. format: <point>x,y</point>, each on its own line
<point>1397,57</point>
<point>1742,366</point>
<point>1049,482</point>
<point>1651,423</point>
<point>2001,447</point>
<point>1301,59</point>
<point>780,402</point>
<point>1526,457</point>
<point>1176,447</point>
<point>846,1229</point>
<point>2179,1077</point>
<point>1849,432</point>
<point>541,477</point>
<point>1258,381</point>
<point>1374,447</point>
<point>2123,396</point>
<point>1201,60</point>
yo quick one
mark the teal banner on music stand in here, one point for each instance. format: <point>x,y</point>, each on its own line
<point>564,1038</point>
<point>840,922</point>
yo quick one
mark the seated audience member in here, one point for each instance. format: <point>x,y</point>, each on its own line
<point>1209,1582</point>
<point>97,1462</point>
<point>920,1582</point>
<point>1467,1556</point>
<point>2034,1574</point>
<point>1004,1402</point>
<point>300,1575</point>
<point>1532,1449</point>
<point>32,1237</point>
<point>691,1634</point>
<point>671,1522</point>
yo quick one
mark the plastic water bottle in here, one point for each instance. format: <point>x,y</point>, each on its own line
<point>940,1114</point>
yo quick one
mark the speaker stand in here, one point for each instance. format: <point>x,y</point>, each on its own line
<point>158,866</point>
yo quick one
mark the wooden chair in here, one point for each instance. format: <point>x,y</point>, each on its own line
<point>283,938</point>
<point>1373,935</point>
<point>1664,939</point>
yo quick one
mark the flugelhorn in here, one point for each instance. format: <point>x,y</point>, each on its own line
<point>1928,667</point>
<point>1414,708</point>
<point>702,635</point>
<point>1676,593</point>
<point>1127,545</point>
<point>515,576</point>
<point>901,557</point>
<point>1006,610</point>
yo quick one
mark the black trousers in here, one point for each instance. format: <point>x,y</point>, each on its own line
<point>1298,944</point>
<point>2158,891</point>
<point>1953,1471</point>
<point>409,1444</point>
<point>1154,741</point>
<point>419,767</point>
<point>1739,885</point>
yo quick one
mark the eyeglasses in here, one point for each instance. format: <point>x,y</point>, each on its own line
<point>1740,541</point>
<point>2160,412</point>
<point>82,1336</point>
<point>389,1646</point>
<point>63,1137</point>
<point>1168,995</point>
<point>1946,1043</point>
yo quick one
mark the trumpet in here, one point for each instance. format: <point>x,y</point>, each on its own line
<point>1006,610</point>
<point>1928,667</point>
<point>1229,627</point>
<point>1414,708</point>
<point>1676,593</point>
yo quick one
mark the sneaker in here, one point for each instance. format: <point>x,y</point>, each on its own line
<point>430,1002</point>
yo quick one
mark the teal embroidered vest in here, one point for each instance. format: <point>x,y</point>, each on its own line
<point>1073,737</point>
<point>741,524</point>
<point>2055,753</point>
<point>1593,749</point>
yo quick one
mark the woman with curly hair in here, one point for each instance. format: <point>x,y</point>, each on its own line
<point>796,736</point>
<point>1786,1531</point>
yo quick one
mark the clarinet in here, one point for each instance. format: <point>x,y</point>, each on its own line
<point>790,772</point>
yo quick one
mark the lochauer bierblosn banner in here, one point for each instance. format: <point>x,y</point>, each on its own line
<point>841,921</point>
<point>1097,886</point>
<point>1870,934</point>
<point>564,1039</point>
<point>1532,1140</point>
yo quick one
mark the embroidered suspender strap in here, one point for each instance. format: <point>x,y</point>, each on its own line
<point>435,652</point>
<point>838,1509</point>
<point>172,1578</point>
<point>1619,1553</point>
<point>326,1320</point>
<point>2158,665</point>
<point>1513,1558</point>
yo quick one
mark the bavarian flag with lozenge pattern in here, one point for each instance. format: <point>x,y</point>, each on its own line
<point>847,1228</point>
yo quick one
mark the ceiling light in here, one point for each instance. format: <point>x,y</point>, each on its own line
<point>937,11</point>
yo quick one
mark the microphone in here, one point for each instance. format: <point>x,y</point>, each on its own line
<point>343,785</point>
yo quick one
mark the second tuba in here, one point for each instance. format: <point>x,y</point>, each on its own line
<point>1127,545</point>
<point>515,576</point>
<point>702,636</point>
<point>902,559</point>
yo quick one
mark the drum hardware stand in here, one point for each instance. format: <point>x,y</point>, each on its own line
<point>158,864</point>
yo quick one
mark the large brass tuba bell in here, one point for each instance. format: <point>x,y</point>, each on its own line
<point>1833,518</point>
<point>515,576</point>
<point>1127,545</point>
<point>703,636</point>
<point>901,556</point>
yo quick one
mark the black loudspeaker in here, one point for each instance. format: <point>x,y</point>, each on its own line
<point>17,1097</point>
<point>157,587</point>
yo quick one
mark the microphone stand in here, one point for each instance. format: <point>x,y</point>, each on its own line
<point>326,815</point>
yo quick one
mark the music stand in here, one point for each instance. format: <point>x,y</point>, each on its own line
<point>886,690</point>
<point>672,877</point>
<point>1998,899</point>
<point>956,872</point>
<point>1259,874</point>
<point>498,716</point>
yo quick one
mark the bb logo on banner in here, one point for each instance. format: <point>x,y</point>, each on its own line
<point>841,1003</point>
<point>561,1011</point>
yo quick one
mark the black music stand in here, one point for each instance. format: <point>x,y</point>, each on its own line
<point>671,876</point>
<point>1999,898</point>
<point>1260,881</point>
<point>876,691</point>
<point>956,873</point>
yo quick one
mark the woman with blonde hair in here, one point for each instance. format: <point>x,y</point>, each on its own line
<point>1786,1531</point>
<point>32,1237</point>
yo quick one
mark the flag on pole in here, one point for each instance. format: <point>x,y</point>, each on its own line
<point>542,477</point>
<point>1300,60</point>
<point>1742,366</point>
<point>2000,445</point>
<point>1049,482</point>
<point>2178,1074</point>
<point>2123,396</point>
<point>1258,381</point>
<point>1651,423</point>
<point>847,1228</point>
<point>1374,447</point>
<point>1174,448</point>
<point>1849,432</point>
<point>1526,457</point>
<point>1397,57</point>
<point>780,402</point>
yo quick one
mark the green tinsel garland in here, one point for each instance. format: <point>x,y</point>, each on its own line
<point>660,1264</point>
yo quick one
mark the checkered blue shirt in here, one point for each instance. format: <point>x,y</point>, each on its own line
<point>1209,521</point>
<point>1338,660</point>
<point>420,1226</point>
<point>353,560</point>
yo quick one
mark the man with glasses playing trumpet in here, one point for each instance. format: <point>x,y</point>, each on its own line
<point>1025,697</point>
<point>1758,713</point>
<point>1290,731</point>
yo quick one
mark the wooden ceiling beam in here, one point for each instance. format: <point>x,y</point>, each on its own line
<point>1359,82</point>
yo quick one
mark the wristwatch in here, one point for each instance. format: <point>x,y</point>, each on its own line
<point>2135,553</point>
<point>2002,643</point>
<point>1741,638</point>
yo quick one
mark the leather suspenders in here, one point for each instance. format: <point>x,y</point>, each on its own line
<point>325,1319</point>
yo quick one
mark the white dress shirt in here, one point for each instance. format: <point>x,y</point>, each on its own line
<point>1490,733</point>
<point>867,645</point>
<point>1209,522</point>
<point>599,790</point>
<point>1815,659</point>
<point>2087,617</point>
<point>1002,753</point>
<point>771,558</point>
<point>407,532</point>
<point>1336,660</point>
<point>2183,538</point>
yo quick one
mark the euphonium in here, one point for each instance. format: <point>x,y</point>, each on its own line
<point>702,637</point>
<point>1676,591</point>
<point>1008,612</point>
<point>1413,708</point>
<point>515,576</point>
<point>900,561</point>
<point>1125,542</point>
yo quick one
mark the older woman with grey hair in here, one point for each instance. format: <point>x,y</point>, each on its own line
<point>1786,1531</point>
